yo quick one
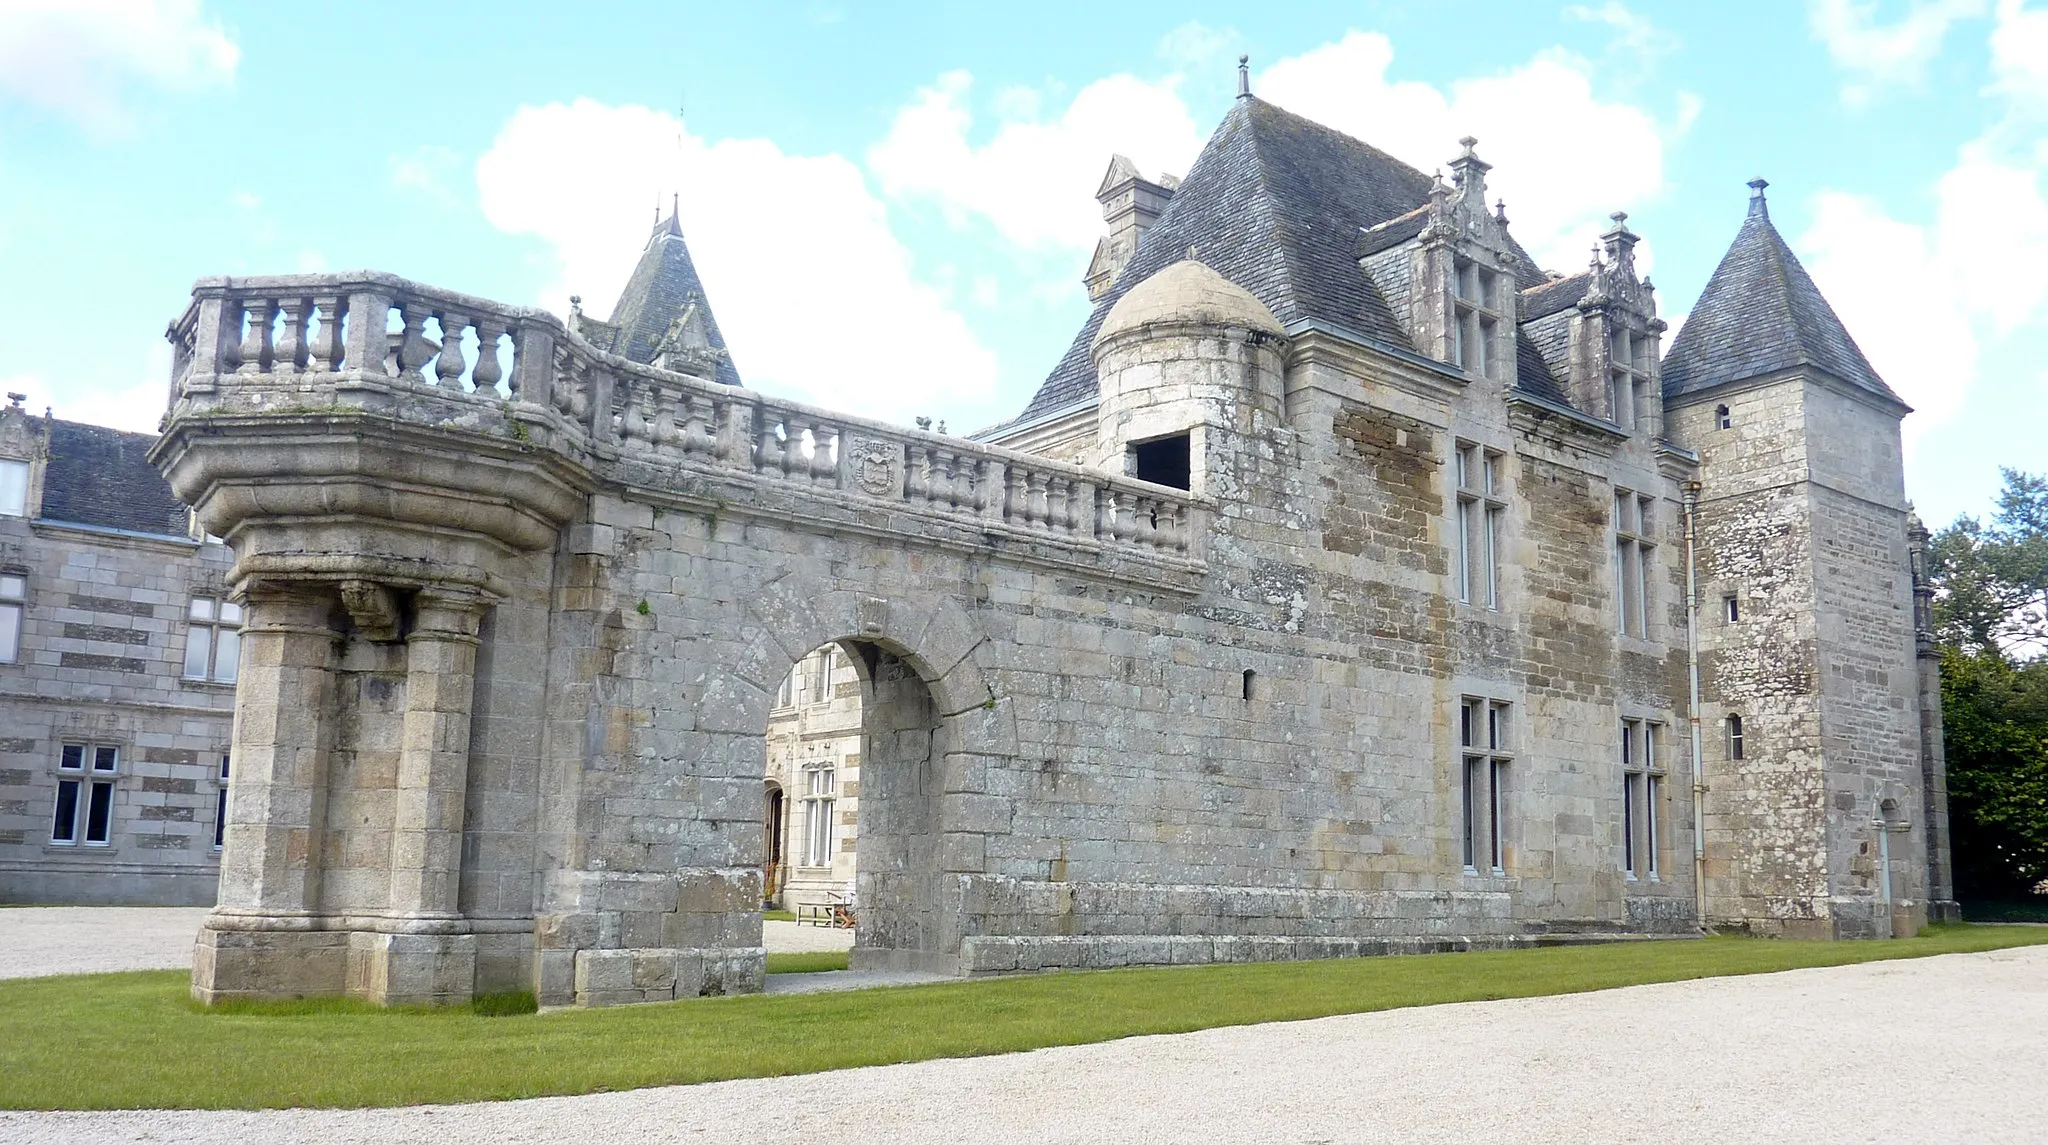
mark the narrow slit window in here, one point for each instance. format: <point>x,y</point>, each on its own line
<point>13,604</point>
<point>1735,737</point>
<point>1731,608</point>
<point>220,806</point>
<point>1248,674</point>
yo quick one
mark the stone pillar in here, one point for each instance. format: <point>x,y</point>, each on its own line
<point>424,953</point>
<point>1941,885</point>
<point>264,935</point>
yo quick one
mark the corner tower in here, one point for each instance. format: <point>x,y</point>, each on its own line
<point>1188,363</point>
<point>1815,805</point>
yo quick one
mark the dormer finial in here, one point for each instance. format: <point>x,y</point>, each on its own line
<point>1244,75</point>
<point>1500,211</point>
<point>1757,207</point>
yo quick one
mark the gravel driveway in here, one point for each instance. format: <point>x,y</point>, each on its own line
<point>1936,1049</point>
<point>38,940</point>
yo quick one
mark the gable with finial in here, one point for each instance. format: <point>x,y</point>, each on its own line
<point>1459,215</point>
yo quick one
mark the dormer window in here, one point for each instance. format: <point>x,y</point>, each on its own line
<point>1476,318</point>
<point>1628,380</point>
<point>13,488</point>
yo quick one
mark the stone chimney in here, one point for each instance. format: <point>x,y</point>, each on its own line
<point>1130,204</point>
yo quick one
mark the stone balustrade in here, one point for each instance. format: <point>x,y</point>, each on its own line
<point>375,341</point>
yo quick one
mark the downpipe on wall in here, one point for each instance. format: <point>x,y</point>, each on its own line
<point>1691,493</point>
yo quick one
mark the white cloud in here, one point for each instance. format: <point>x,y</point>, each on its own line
<point>1032,180</point>
<point>136,407</point>
<point>76,58</point>
<point>1859,256</point>
<point>1561,173</point>
<point>814,294</point>
<point>1969,293</point>
<point>1876,53</point>
<point>1195,45</point>
<point>430,170</point>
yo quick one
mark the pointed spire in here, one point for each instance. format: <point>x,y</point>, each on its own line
<point>1244,76</point>
<point>1761,313</point>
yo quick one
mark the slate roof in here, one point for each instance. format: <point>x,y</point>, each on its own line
<point>1555,295</point>
<point>99,476</point>
<point>661,285</point>
<point>1762,313</point>
<point>1279,205</point>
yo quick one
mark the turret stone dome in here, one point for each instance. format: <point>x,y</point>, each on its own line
<point>1187,293</point>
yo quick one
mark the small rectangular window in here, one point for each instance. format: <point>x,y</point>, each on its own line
<point>1735,737</point>
<point>1731,609</point>
<point>13,488</point>
<point>213,640</point>
<point>13,604</point>
<point>1168,461</point>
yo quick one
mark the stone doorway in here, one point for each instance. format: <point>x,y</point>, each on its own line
<point>853,740</point>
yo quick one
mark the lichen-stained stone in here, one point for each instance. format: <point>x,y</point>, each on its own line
<point>1331,601</point>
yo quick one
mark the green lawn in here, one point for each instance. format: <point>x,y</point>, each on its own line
<point>134,1040</point>
<point>807,962</point>
<point>778,916</point>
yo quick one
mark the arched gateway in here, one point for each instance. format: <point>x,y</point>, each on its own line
<point>1368,630</point>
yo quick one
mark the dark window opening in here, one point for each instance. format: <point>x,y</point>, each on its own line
<point>1732,608</point>
<point>1722,417</point>
<point>1248,683</point>
<point>1734,737</point>
<point>1166,461</point>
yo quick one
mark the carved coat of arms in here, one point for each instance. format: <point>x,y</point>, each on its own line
<point>874,466</point>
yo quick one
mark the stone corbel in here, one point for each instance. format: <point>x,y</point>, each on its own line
<point>450,612</point>
<point>373,608</point>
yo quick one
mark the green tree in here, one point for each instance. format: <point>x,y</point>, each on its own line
<point>1991,616</point>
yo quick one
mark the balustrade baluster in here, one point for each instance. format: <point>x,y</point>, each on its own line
<point>697,436</point>
<point>450,364</point>
<point>632,416</point>
<point>667,407</point>
<point>255,336</point>
<point>326,353</point>
<point>1035,497</point>
<point>916,472</point>
<point>288,355</point>
<point>415,349</point>
<point>825,455</point>
<point>488,371</point>
<point>793,461</point>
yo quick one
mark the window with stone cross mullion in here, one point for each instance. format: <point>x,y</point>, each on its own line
<point>819,792</point>
<point>1483,773</point>
<point>1634,552</point>
<point>1475,317</point>
<point>1642,793</point>
<point>1478,510</point>
<point>1628,378</point>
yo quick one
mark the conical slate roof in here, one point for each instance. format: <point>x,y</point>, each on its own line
<point>1275,203</point>
<point>662,286</point>
<point>1759,314</point>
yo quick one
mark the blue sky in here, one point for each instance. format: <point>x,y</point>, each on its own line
<point>891,204</point>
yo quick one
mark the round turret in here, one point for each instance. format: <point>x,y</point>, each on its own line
<point>1187,364</point>
<point>1187,293</point>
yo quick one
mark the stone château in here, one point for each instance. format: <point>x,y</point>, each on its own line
<point>1351,586</point>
